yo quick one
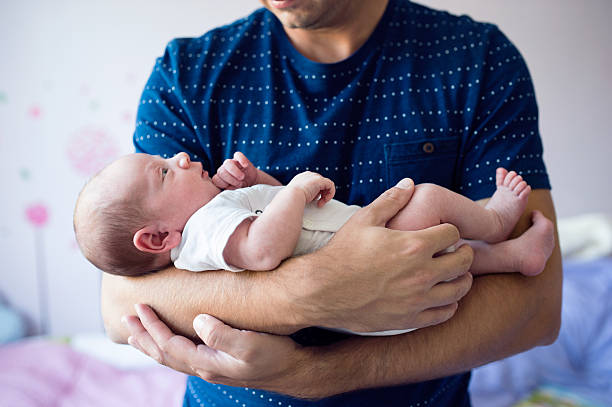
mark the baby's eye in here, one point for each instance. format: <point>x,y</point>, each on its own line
<point>164,171</point>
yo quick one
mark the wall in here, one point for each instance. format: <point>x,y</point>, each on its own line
<point>70,78</point>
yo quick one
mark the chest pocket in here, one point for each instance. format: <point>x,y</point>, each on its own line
<point>427,160</point>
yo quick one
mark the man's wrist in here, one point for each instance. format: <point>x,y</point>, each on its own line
<point>303,289</point>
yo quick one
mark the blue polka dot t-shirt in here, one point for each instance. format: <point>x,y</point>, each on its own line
<point>431,96</point>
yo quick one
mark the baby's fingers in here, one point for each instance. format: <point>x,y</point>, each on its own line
<point>328,190</point>
<point>224,180</point>
<point>219,182</point>
<point>233,168</point>
<point>242,160</point>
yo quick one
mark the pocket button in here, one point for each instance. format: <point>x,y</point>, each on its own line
<point>428,147</point>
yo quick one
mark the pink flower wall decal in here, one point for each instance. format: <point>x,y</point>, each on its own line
<point>35,112</point>
<point>90,149</point>
<point>37,214</point>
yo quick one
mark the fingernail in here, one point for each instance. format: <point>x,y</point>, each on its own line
<point>198,322</point>
<point>138,309</point>
<point>405,183</point>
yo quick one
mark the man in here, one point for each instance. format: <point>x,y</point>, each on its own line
<point>367,92</point>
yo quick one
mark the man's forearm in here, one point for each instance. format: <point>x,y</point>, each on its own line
<point>248,300</point>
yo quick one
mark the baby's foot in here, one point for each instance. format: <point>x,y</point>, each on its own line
<point>507,203</point>
<point>535,245</point>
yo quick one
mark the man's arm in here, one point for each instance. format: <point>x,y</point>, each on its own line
<point>502,315</point>
<point>403,287</point>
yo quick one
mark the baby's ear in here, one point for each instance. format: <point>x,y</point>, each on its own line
<point>151,240</point>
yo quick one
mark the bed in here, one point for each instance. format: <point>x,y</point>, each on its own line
<point>85,370</point>
<point>577,369</point>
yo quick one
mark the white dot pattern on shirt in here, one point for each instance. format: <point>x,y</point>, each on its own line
<point>435,88</point>
<point>419,83</point>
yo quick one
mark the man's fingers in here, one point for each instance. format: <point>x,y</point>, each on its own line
<point>441,237</point>
<point>154,326</point>
<point>436,315</point>
<point>160,343</point>
<point>227,342</point>
<point>449,292</point>
<point>141,339</point>
<point>449,266</point>
<point>216,334</point>
<point>388,204</point>
<point>134,343</point>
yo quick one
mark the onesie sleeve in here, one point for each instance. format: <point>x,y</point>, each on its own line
<point>163,125</point>
<point>504,130</point>
<point>208,230</point>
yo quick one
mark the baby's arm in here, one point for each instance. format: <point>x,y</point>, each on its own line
<point>262,243</point>
<point>239,172</point>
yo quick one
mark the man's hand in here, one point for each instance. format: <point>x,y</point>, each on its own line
<point>370,278</point>
<point>229,356</point>
<point>235,173</point>
<point>314,186</point>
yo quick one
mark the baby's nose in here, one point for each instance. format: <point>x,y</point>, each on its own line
<point>183,160</point>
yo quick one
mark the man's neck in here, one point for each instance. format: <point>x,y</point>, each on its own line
<point>342,39</point>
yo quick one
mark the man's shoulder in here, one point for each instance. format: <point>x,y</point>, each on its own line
<point>220,37</point>
<point>436,38</point>
<point>430,28</point>
<point>430,18</point>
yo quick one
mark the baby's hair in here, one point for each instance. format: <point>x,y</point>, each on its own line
<point>105,229</point>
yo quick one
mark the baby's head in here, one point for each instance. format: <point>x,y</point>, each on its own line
<point>132,213</point>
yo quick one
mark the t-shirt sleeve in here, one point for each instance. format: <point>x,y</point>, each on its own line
<point>504,129</point>
<point>163,126</point>
<point>208,230</point>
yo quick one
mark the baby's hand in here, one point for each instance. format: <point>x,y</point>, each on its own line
<point>314,186</point>
<point>235,173</point>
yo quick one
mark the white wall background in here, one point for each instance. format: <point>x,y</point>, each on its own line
<point>72,71</point>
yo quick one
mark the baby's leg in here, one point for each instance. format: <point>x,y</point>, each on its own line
<point>431,205</point>
<point>526,254</point>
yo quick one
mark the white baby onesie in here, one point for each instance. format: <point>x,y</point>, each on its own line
<point>208,230</point>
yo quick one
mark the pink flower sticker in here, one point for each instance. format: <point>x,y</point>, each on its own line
<point>37,214</point>
<point>90,149</point>
<point>35,112</point>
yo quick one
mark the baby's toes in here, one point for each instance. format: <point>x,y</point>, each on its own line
<point>500,175</point>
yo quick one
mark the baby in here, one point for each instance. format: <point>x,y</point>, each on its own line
<point>143,212</point>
